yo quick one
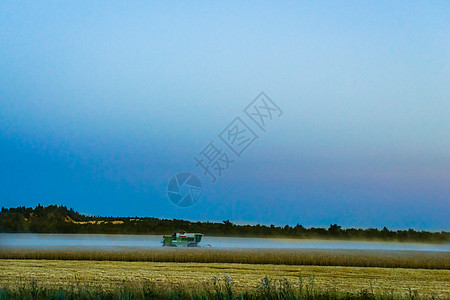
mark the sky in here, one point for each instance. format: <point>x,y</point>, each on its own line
<point>102,103</point>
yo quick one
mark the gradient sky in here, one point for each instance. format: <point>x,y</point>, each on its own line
<point>101,103</point>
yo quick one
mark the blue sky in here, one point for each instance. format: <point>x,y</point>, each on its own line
<point>102,103</point>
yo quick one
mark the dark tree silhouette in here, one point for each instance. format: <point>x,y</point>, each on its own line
<point>60,219</point>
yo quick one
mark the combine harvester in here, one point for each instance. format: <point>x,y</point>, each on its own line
<point>182,240</point>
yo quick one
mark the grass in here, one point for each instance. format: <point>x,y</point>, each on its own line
<point>217,288</point>
<point>353,258</point>
<point>109,277</point>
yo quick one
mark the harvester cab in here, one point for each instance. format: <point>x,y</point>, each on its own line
<point>182,239</point>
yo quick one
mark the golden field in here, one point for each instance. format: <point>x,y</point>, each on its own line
<point>347,258</point>
<point>107,275</point>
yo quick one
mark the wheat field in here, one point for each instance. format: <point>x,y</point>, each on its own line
<point>348,258</point>
<point>107,275</point>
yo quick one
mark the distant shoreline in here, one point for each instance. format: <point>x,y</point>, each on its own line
<point>61,220</point>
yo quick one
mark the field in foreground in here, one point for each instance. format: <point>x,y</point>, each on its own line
<point>348,258</point>
<point>113,276</point>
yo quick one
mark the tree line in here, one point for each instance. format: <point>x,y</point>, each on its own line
<point>60,219</point>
